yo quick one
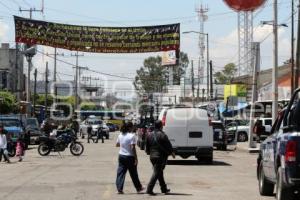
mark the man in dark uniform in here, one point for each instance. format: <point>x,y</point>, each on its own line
<point>100,134</point>
<point>89,133</point>
<point>159,148</point>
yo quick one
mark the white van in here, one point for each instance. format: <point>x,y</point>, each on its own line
<point>190,132</point>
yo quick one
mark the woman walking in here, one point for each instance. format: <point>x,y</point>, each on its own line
<point>127,158</point>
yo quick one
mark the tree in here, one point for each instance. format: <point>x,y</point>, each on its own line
<point>88,106</point>
<point>179,70</point>
<point>41,98</point>
<point>8,103</point>
<point>150,77</point>
<point>227,74</point>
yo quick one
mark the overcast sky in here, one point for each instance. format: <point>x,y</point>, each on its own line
<point>221,26</point>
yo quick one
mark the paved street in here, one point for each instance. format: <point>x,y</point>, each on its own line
<point>92,176</point>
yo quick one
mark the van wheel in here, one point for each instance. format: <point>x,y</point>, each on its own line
<point>282,192</point>
<point>265,188</point>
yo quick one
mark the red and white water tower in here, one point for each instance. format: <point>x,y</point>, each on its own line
<point>245,10</point>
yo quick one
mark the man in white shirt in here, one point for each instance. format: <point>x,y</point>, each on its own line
<point>3,145</point>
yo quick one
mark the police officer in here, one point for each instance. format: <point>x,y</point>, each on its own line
<point>100,134</point>
<point>159,148</point>
<point>89,133</point>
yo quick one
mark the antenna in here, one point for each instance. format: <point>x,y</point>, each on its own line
<point>202,17</point>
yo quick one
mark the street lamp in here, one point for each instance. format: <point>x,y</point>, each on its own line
<point>275,25</point>
<point>207,44</point>
<point>29,53</point>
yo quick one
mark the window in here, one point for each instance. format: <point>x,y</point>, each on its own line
<point>195,134</point>
<point>268,122</point>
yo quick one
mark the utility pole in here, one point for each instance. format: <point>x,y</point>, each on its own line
<point>275,62</point>
<point>76,80</point>
<point>208,63</point>
<point>256,67</point>
<point>55,54</point>
<point>198,82</point>
<point>34,91</point>
<point>193,80</point>
<point>46,89</point>
<point>292,50</point>
<point>18,74</point>
<point>31,10</point>
<point>298,51</point>
<point>211,81</point>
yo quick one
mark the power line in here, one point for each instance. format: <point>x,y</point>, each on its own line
<point>28,4</point>
<point>73,65</point>
<point>6,6</point>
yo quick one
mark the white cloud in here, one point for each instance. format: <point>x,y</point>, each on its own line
<point>225,49</point>
<point>4,28</point>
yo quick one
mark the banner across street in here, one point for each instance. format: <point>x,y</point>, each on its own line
<point>98,39</point>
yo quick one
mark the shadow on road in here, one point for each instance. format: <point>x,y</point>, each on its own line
<point>161,194</point>
<point>196,162</point>
<point>178,194</point>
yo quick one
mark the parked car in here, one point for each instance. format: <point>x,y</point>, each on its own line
<point>33,129</point>
<point>220,135</point>
<point>112,127</point>
<point>242,131</point>
<point>13,126</point>
<point>190,132</point>
<point>278,162</point>
<point>96,124</point>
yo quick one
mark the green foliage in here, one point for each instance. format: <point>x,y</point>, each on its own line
<point>179,70</point>
<point>41,98</point>
<point>227,74</point>
<point>88,106</point>
<point>151,77</point>
<point>8,103</point>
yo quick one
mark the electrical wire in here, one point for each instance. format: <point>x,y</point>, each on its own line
<point>6,6</point>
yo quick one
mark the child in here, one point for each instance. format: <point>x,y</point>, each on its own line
<point>20,149</point>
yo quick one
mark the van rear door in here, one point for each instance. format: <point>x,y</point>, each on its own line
<point>199,131</point>
<point>175,127</point>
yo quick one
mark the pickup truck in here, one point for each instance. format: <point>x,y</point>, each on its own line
<point>278,162</point>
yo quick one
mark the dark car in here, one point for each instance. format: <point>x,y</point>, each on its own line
<point>278,162</point>
<point>112,127</point>
<point>220,135</point>
<point>32,128</point>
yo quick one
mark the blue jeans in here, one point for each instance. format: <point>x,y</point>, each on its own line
<point>127,163</point>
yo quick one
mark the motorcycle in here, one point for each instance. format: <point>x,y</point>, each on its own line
<point>63,140</point>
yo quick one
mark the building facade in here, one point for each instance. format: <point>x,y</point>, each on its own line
<point>12,77</point>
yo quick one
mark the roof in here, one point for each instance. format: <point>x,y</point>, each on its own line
<point>265,76</point>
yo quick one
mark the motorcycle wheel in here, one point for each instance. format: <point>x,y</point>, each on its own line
<point>44,149</point>
<point>76,149</point>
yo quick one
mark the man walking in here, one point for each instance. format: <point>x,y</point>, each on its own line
<point>159,148</point>
<point>3,145</point>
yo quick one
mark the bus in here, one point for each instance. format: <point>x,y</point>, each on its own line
<point>114,117</point>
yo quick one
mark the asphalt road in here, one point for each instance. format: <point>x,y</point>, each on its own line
<point>92,176</point>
